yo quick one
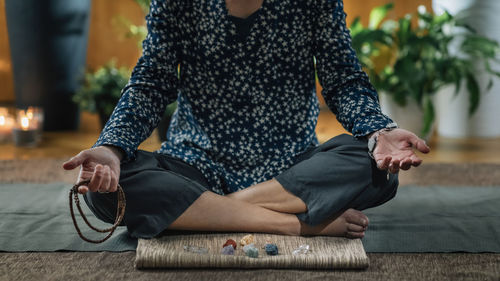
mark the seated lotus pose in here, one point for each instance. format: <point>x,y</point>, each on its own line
<point>241,152</point>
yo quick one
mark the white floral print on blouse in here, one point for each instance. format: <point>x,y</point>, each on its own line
<point>246,109</point>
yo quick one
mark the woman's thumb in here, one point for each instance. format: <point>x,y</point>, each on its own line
<point>75,161</point>
<point>420,145</point>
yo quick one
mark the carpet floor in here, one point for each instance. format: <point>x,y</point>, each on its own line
<point>120,266</point>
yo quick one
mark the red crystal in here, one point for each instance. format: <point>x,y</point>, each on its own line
<point>230,242</point>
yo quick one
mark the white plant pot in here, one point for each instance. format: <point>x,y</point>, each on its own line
<point>453,120</point>
<point>409,117</point>
<point>452,111</point>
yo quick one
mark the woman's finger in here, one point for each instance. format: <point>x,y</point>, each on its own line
<point>83,189</point>
<point>394,166</point>
<point>419,144</point>
<point>95,182</point>
<point>106,179</point>
<point>113,186</point>
<point>75,161</point>
<point>405,164</point>
<point>415,161</point>
<point>383,164</point>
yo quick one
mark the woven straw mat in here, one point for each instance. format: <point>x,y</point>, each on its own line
<point>326,252</point>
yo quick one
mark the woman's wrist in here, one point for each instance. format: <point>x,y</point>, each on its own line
<point>389,127</point>
<point>120,154</point>
<point>373,137</point>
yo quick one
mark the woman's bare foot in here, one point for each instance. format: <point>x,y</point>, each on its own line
<point>351,224</point>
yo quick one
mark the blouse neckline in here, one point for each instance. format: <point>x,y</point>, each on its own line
<point>240,18</point>
<point>257,30</point>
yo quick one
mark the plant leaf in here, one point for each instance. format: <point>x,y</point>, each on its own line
<point>429,115</point>
<point>473,88</point>
<point>490,84</point>
<point>144,4</point>
<point>378,14</point>
<point>356,26</point>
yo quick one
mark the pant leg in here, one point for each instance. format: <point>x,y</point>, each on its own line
<point>335,176</point>
<point>158,189</point>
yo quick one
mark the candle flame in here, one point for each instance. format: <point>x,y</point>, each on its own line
<point>2,120</point>
<point>25,122</point>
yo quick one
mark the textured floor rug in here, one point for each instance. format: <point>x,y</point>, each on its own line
<point>120,266</point>
<point>325,252</point>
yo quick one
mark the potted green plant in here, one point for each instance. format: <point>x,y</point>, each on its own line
<point>451,117</point>
<point>102,90</point>
<point>409,63</point>
<point>137,32</point>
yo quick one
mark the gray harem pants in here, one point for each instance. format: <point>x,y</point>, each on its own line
<point>329,178</point>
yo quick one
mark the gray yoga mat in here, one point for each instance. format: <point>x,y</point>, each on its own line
<point>35,217</point>
<point>436,219</point>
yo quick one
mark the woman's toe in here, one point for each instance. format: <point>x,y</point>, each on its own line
<point>356,217</point>
<point>351,234</point>
<point>355,227</point>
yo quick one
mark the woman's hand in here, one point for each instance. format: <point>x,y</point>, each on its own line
<point>101,165</point>
<point>395,150</point>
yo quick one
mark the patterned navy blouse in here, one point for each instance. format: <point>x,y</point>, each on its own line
<point>246,108</point>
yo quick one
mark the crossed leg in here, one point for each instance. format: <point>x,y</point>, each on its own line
<point>265,207</point>
<point>272,195</point>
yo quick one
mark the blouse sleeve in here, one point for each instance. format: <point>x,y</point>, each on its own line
<point>152,86</point>
<point>346,87</point>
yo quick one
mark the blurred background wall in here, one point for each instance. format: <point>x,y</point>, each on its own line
<point>106,39</point>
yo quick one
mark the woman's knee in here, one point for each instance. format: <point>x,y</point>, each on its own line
<point>389,188</point>
<point>380,188</point>
<point>102,205</point>
<point>385,186</point>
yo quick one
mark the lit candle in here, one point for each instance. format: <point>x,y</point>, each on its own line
<point>29,113</point>
<point>26,132</point>
<point>35,117</point>
<point>6,124</point>
<point>25,123</point>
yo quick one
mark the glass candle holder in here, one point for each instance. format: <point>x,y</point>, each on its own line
<point>6,125</point>
<point>35,114</point>
<point>28,128</point>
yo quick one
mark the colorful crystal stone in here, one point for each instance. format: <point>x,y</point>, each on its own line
<point>247,239</point>
<point>230,242</point>
<point>271,249</point>
<point>301,250</point>
<point>227,250</point>
<point>246,247</point>
<point>251,251</point>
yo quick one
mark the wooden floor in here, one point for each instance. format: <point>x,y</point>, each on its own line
<point>67,144</point>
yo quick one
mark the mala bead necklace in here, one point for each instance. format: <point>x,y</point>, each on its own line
<point>120,212</point>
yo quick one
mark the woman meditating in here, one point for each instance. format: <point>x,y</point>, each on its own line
<point>241,151</point>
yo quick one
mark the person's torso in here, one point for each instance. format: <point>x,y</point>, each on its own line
<point>249,102</point>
